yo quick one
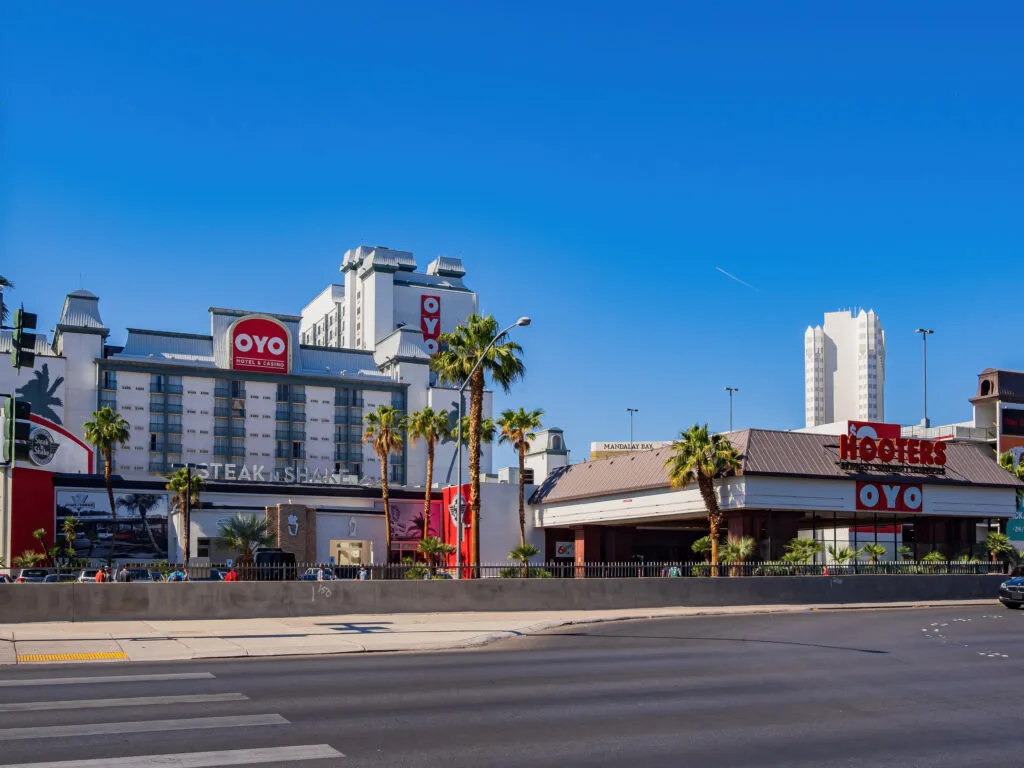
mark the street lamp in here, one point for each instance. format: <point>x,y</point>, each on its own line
<point>925,332</point>
<point>522,321</point>
<point>632,411</point>
<point>730,390</point>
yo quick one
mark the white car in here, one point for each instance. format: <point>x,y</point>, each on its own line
<point>87,575</point>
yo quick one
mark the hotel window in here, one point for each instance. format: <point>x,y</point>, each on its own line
<point>109,380</point>
<point>156,383</point>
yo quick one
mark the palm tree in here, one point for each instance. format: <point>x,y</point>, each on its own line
<point>4,283</point>
<point>461,351</point>
<point>738,550</point>
<point>702,547</point>
<point>429,426</point>
<point>382,429</point>
<point>874,551</point>
<point>998,544</point>
<point>702,457</point>
<point>488,431</point>
<point>69,527</point>
<point>517,430</point>
<point>185,485</point>
<point>245,535</point>
<point>801,551</point>
<point>433,548</point>
<point>523,553</point>
<point>842,555</point>
<point>106,430</point>
<point>142,503</point>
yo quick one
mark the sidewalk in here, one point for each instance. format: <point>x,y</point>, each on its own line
<point>322,635</point>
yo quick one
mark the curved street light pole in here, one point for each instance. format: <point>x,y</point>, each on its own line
<point>460,523</point>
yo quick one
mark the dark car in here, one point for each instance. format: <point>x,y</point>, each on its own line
<point>274,565</point>
<point>1011,592</point>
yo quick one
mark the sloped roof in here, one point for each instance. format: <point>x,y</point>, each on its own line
<point>42,345</point>
<point>762,452</point>
<point>1007,386</point>
<point>447,266</point>
<point>164,347</point>
<point>330,361</point>
<point>404,343</point>
<point>81,310</point>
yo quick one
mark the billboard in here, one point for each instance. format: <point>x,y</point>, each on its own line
<point>407,520</point>
<point>140,533</point>
<point>260,343</point>
<point>1011,432</point>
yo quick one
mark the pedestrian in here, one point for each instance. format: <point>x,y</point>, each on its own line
<point>364,573</point>
<point>231,575</point>
<point>124,575</point>
<point>101,575</point>
<point>176,575</point>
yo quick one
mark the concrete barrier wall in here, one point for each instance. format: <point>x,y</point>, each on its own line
<point>205,600</point>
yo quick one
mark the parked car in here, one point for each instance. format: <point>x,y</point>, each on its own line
<point>32,576</point>
<point>52,578</point>
<point>87,574</point>
<point>1011,592</point>
<point>141,574</point>
<point>274,565</point>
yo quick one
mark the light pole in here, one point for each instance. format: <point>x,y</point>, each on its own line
<point>632,412</point>
<point>925,332</point>
<point>730,390</point>
<point>458,447</point>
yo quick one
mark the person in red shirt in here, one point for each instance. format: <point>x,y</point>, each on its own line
<point>101,576</point>
<point>231,575</point>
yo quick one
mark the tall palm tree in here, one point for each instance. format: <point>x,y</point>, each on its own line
<point>488,431</point>
<point>382,428</point>
<point>517,430</point>
<point>4,283</point>
<point>701,456</point>
<point>461,350</point>
<point>429,426</point>
<point>106,430</point>
<point>245,535</point>
<point>185,484</point>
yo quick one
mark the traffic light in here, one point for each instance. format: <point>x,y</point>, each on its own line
<point>16,426</point>
<point>23,344</point>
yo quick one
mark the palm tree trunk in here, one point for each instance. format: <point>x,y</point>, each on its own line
<point>522,493</point>
<point>107,458</point>
<point>476,409</point>
<point>707,491</point>
<point>385,494</point>
<point>430,480</point>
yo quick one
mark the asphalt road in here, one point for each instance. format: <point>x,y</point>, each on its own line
<point>928,687</point>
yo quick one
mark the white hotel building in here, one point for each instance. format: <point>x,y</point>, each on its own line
<point>198,398</point>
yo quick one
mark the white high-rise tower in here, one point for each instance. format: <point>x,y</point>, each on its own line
<point>844,369</point>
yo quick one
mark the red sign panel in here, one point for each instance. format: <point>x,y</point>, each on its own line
<point>874,429</point>
<point>430,322</point>
<point>889,497</point>
<point>872,443</point>
<point>261,344</point>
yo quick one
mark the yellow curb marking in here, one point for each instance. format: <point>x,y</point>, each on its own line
<point>108,655</point>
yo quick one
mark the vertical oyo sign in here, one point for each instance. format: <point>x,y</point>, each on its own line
<point>260,343</point>
<point>430,322</point>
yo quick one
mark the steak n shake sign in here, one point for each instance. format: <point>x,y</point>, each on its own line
<point>869,447</point>
<point>260,343</point>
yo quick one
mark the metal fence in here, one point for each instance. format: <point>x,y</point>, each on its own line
<point>161,571</point>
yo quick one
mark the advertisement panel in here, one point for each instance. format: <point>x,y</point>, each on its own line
<point>140,532</point>
<point>430,322</point>
<point>876,447</point>
<point>260,343</point>
<point>1011,432</point>
<point>407,520</point>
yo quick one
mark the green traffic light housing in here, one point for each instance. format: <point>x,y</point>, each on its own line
<point>23,340</point>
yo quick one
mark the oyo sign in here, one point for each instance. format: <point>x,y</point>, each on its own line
<point>889,497</point>
<point>870,446</point>
<point>430,322</point>
<point>260,343</point>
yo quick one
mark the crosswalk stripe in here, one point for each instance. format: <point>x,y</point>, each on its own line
<point>137,701</point>
<point>142,726</point>
<point>287,755</point>
<point>105,679</point>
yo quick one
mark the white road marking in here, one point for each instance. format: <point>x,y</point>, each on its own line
<point>144,726</point>
<point>138,701</point>
<point>105,679</point>
<point>286,755</point>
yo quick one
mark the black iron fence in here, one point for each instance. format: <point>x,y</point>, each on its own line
<point>139,571</point>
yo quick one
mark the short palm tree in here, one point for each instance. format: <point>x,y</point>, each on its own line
<point>703,457</point>
<point>874,551</point>
<point>432,549</point>
<point>517,429</point>
<point>702,547</point>
<point>738,550</point>
<point>382,429</point>
<point>185,485</point>
<point>905,552</point>
<point>106,430</point>
<point>523,553</point>
<point>801,551</point>
<point>4,283</point>
<point>245,535</point>
<point>998,544</point>
<point>842,555</point>
<point>934,557</point>
<point>429,426</point>
<point>471,343</point>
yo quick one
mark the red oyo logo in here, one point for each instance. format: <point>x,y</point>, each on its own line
<point>430,322</point>
<point>260,344</point>
<point>888,497</point>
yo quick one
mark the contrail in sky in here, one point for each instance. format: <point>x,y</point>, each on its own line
<point>741,282</point>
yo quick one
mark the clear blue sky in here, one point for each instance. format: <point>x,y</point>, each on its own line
<point>592,164</point>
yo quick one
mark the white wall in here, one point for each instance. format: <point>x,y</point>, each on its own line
<point>499,522</point>
<point>197,401</point>
<point>80,384</point>
<point>133,404</point>
<point>320,429</point>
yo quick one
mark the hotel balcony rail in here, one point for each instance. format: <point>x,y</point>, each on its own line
<point>287,453</point>
<point>950,432</point>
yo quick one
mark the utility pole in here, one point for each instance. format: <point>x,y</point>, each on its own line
<point>730,390</point>
<point>632,412</point>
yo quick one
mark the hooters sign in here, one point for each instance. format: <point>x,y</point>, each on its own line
<point>260,343</point>
<point>430,322</point>
<point>878,447</point>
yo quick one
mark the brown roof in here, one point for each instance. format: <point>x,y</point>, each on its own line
<point>998,384</point>
<point>762,452</point>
